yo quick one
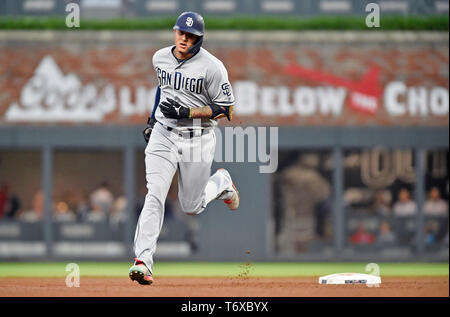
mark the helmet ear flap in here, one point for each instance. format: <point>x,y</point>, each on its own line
<point>196,47</point>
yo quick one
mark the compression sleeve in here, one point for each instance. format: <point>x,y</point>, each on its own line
<point>157,97</point>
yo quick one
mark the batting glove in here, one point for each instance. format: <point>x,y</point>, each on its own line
<point>148,130</point>
<point>172,109</point>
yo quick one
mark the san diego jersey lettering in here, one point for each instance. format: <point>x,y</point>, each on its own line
<point>179,81</point>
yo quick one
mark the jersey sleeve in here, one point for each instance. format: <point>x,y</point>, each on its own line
<point>154,61</point>
<point>219,87</point>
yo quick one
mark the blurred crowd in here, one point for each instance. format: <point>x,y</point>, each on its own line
<point>73,205</point>
<point>98,206</point>
<point>304,205</point>
<point>307,220</point>
<point>385,223</point>
<point>395,224</point>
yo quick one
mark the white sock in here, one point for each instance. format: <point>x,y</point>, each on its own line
<point>217,183</point>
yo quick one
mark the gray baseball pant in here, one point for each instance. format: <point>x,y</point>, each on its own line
<point>166,152</point>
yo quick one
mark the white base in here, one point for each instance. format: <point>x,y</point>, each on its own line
<point>350,278</point>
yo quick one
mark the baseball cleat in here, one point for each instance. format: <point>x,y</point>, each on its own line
<point>140,273</point>
<point>233,201</point>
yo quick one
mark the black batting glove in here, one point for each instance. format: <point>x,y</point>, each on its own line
<point>148,129</point>
<point>172,109</point>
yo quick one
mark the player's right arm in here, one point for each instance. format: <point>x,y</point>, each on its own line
<point>151,119</point>
<point>157,99</point>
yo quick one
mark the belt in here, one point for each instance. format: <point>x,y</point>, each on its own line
<point>188,133</point>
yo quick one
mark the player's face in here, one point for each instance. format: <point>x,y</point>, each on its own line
<point>183,41</point>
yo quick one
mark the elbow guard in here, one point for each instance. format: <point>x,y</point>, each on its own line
<point>220,112</point>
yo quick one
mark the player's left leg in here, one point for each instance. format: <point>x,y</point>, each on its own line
<point>196,186</point>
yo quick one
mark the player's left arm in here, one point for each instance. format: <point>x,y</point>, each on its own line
<point>219,93</point>
<point>212,112</point>
<point>173,109</point>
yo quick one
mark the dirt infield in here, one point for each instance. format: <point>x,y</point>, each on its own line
<point>221,287</point>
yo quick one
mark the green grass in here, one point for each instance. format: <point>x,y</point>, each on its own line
<point>205,269</point>
<point>439,22</point>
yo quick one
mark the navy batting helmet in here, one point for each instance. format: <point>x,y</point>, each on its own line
<point>192,22</point>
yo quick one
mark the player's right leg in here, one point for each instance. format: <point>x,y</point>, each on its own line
<point>161,165</point>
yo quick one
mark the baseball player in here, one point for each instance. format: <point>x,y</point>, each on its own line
<point>193,86</point>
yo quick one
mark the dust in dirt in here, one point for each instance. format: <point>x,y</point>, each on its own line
<point>245,270</point>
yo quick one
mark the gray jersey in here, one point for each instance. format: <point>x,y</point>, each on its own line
<point>199,81</point>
